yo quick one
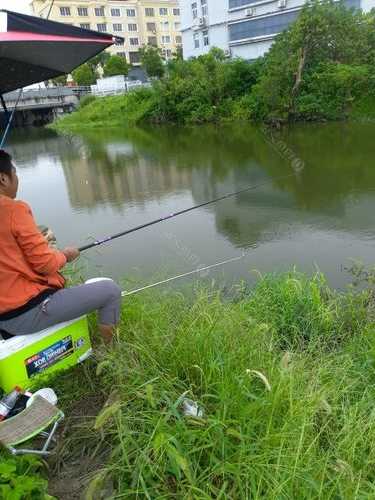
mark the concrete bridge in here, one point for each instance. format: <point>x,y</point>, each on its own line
<point>38,107</point>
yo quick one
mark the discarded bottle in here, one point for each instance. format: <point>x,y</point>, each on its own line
<point>191,408</point>
<point>8,402</point>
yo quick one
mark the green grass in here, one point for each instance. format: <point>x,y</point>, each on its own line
<point>115,111</point>
<point>285,374</point>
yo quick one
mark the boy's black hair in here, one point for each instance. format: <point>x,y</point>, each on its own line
<point>5,163</point>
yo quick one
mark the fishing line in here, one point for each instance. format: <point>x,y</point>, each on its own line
<point>181,212</point>
<point>196,271</point>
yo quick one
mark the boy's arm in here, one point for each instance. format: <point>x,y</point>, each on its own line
<point>41,258</point>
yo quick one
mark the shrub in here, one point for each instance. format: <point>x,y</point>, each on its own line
<point>20,478</point>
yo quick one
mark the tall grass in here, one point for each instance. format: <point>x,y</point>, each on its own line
<point>114,111</point>
<point>285,375</point>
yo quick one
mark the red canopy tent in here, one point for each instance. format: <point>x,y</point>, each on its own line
<point>33,49</point>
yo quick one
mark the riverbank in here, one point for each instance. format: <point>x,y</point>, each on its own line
<point>320,69</point>
<point>137,109</point>
<point>284,374</point>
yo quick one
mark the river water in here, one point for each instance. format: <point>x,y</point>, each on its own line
<point>319,217</point>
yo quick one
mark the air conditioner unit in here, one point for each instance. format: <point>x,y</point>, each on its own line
<point>227,52</point>
<point>282,4</point>
<point>250,12</point>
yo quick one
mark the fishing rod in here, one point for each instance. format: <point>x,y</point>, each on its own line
<point>175,214</point>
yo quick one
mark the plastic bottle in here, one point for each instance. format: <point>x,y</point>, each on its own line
<point>191,408</point>
<point>8,402</point>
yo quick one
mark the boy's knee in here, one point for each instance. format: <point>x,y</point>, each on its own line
<point>113,291</point>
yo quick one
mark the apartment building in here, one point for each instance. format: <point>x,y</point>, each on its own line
<point>139,22</point>
<point>242,28</point>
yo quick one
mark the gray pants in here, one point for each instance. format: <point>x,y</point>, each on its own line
<point>68,304</point>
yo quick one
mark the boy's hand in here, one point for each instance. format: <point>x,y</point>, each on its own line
<point>71,253</point>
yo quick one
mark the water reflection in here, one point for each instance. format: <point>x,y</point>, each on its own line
<point>322,214</point>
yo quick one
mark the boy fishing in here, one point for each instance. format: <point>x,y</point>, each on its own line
<point>32,290</point>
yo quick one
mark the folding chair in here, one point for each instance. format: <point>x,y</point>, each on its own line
<point>41,418</point>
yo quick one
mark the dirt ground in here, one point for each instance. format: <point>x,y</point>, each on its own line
<point>81,453</point>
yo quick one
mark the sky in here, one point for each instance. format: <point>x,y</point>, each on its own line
<point>16,5</point>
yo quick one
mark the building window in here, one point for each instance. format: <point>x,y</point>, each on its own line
<point>151,26</point>
<point>119,42</point>
<point>82,11</point>
<point>99,11</point>
<point>132,27</point>
<point>65,11</point>
<point>166,53</point>
<point>204,8</point>
<point>206,38</point>
<point>270,25</point>
<point>150,12</point>
<point>134,41</point>
<point>134,57</point>
<point>163,11</point>
<point>176,12</point>
<point>164,26</point>
<point>85,26</point>
<point>130,12</point>
<point>177,26</point>
<point>102,27</point>
<point>240,3</point>
<point>121,54</point>
<point>117,27</point>
<point>115,12</point>
<point>179,39</point>
<point>196,40</point>
<point>352,4</point>
<point>153,41</point>
<point>165,39</point>
<point>194,10</point>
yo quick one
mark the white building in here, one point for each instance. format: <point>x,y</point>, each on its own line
<point>242,28</point>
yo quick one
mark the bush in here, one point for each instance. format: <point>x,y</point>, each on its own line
<point>116,65</point>
<point>331,91</point>
<point>20,478</point>
<point>84,75</point>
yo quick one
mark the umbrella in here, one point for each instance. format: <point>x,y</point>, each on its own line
<point>34,49</point>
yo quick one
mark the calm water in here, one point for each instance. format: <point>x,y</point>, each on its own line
<point>322,216</point>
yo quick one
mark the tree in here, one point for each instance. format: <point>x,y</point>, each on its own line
<point>101,59</point>
<point>116,65</point>
<point>59,80</point>
<point>84,75</point>
<point>325,36</point>
<point>152,61</point>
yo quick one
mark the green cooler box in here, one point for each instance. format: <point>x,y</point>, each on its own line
<point>24,357</point>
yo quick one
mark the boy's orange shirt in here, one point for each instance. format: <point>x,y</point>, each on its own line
<point>28,266</point>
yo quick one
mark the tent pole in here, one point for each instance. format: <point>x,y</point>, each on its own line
<point>49,12</point>
<point>10,117</point>
<point>7,114</point>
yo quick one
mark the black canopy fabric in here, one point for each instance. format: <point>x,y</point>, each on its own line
<point>34,49</point>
